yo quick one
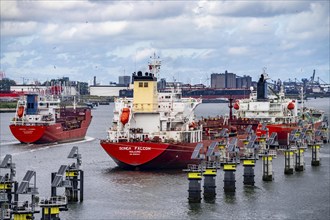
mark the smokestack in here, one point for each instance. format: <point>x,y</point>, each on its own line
<point>262,88</point>
<point>94,82</point>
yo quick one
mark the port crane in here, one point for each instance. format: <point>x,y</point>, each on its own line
<point>310,86</point>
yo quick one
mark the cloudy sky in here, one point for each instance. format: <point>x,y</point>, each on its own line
<point>42,40</point>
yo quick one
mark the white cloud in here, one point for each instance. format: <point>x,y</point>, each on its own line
<point>49,29</point>
<point>237,50</point>
<point>102,38</point>
<point>10,58</point>
<point>9,10</point>
<point>144,53</point>
<point>287,45</point>
<point>255,8</point>
<point>18,28</point>
<point>308,25</point>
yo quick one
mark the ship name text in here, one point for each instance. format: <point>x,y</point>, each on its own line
<point>136,148</point>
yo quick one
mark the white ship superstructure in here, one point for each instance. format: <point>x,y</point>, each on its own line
<point>274,109</point>
<point>151,115</point>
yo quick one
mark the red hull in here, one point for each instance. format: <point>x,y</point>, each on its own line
<point>151,155</point>
<point>27,134</point>
<point>41,134</point>
<point>283,131</point>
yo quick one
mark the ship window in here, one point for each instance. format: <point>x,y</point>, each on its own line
<point>140,84</point>
<point>145,84</point>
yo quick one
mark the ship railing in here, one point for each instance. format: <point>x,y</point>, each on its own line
<point>30,122</point>
<point>122,135</point>
<point>194,168</point>
<point>24,206</point>
<point>191,136</point>
<point>275,109</point>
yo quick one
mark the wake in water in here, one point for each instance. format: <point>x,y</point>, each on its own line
<point>9,143</point>
<point>28,148</point>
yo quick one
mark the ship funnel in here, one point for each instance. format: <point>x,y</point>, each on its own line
<point>32,104</point>
<point>262,88</point>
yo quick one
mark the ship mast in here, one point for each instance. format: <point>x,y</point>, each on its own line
<point>154,65</point>
<point>145,97</point>
<point>230,108</point>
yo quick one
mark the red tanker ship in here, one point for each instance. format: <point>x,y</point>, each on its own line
<point>280,114</point>
<point>157,130</point>
<point>42,120</point>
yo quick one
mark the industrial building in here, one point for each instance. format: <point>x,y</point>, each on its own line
<point>244,82</point>
<point>106,90</point>
<point>218,81</point>
<point>229,81</point>
<point>67,90</point>
<point>223,80</point>
<point>124,80</point>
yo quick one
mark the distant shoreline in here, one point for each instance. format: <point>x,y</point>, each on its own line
<point>6,110</point>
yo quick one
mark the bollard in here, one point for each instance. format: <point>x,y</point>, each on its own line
<point>209,182</point>
<point>6,187</point>
<point>23,215</point>
<point>248,172</point>
<point>53,188</point>
<point>309,136</point>
<point>72,191</point>
<point>300,163</point>
<point>289,161</point>
<point>325,134</point>
<point>194,191</point>
<point>315,155</point>
<point>25,210</point>
<point>267,168</point>
<point>5,207</point>
<point>223,154</point>
<point>75,176</point>
<point>262,145</point>
<point>229,178</point>
<point>7,182</point>
<point>51,207</point>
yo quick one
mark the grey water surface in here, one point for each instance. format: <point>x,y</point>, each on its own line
<point>112,193</point>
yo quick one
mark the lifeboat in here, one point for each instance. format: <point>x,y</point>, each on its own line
<point>20,111</point>
<point>124,116</point>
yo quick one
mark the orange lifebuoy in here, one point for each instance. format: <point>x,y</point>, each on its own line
<point>124,116</point>
<point>20,111</point>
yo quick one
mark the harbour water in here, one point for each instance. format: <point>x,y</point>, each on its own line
<point>112,193</point>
